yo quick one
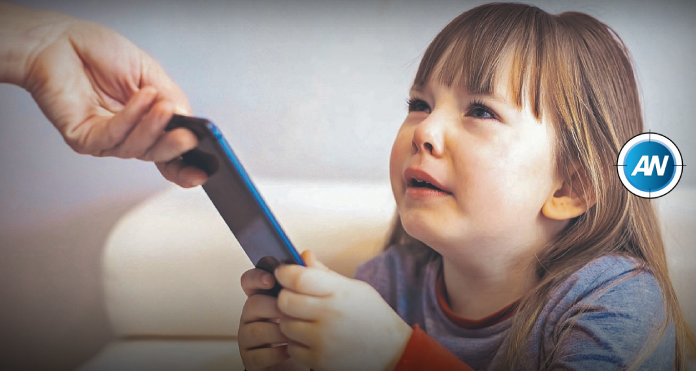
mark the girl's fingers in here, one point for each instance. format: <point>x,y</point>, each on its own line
<point>260,334</point>
<point>308,281</point>
<point>304,307</point>
<point>261,358</point>
<point>104,135</point>
<point>256,279</point>
<point>301,353</point>
<point>299,331</point>
<point>176,171</point>
<point>260,307</point>
<point>311,260</point>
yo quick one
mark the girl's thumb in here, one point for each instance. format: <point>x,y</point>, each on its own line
<point>312,262</point>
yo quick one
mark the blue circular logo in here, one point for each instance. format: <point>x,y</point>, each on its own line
<point>650,165</point>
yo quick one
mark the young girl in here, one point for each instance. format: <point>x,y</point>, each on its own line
<point>515,246</point>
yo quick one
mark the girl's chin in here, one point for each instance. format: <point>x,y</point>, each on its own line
<point>434,233</point>
<point>427,233</point>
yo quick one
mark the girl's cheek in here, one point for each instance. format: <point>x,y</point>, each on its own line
<point>401,149</point>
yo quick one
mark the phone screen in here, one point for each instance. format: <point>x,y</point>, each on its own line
<point>236,198</point>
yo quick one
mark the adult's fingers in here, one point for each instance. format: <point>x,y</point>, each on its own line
<point>170,145</point>
<point>255,280</point>
<point>260,308</point>
<point>98,135</point>
<point>178,172</point>
<point>146,133</point>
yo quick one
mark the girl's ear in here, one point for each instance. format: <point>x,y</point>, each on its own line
<point>566,201</point>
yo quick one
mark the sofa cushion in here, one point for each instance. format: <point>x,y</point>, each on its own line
<point>172,267</point>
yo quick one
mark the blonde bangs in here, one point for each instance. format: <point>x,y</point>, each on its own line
<point>475,49</point>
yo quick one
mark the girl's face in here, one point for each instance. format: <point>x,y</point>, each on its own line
<point>470,170</point>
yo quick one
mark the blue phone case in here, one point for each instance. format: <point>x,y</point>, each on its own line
<point>236,198</point>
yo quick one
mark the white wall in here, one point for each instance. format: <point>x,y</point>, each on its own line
<point>303,89</point>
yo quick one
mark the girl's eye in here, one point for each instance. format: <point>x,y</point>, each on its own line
<point>480,111</point>
<point>417,105</point>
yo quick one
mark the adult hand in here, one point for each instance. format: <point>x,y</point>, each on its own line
<point>337,323</point>
<point>261,344</point>
<point>103,94</point>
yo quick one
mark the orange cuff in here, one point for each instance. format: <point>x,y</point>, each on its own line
<point>424,353</point>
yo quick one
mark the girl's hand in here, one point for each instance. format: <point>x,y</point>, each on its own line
<point>261,344</point>
<point>337,323</point>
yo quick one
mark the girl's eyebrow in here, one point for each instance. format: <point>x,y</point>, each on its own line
<point>494,96</point>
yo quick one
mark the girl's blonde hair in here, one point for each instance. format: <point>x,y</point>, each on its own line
<point>577,73</point>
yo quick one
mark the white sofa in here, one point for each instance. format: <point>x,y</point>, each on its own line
<point>171,267</point>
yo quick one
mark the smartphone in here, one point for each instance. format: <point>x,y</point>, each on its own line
<point>236,197</point>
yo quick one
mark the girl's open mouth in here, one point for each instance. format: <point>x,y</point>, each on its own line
<point>420,183</point>
<point>417,188</point>
<point>416,183</point>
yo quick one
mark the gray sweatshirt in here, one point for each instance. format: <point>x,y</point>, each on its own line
<point>607,335</point>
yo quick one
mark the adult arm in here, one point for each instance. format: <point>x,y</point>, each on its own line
<point>104,95</point>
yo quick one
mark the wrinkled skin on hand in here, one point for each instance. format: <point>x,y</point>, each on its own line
<point>104,95</point>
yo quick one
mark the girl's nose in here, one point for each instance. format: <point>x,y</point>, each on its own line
<point>428,137</point>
